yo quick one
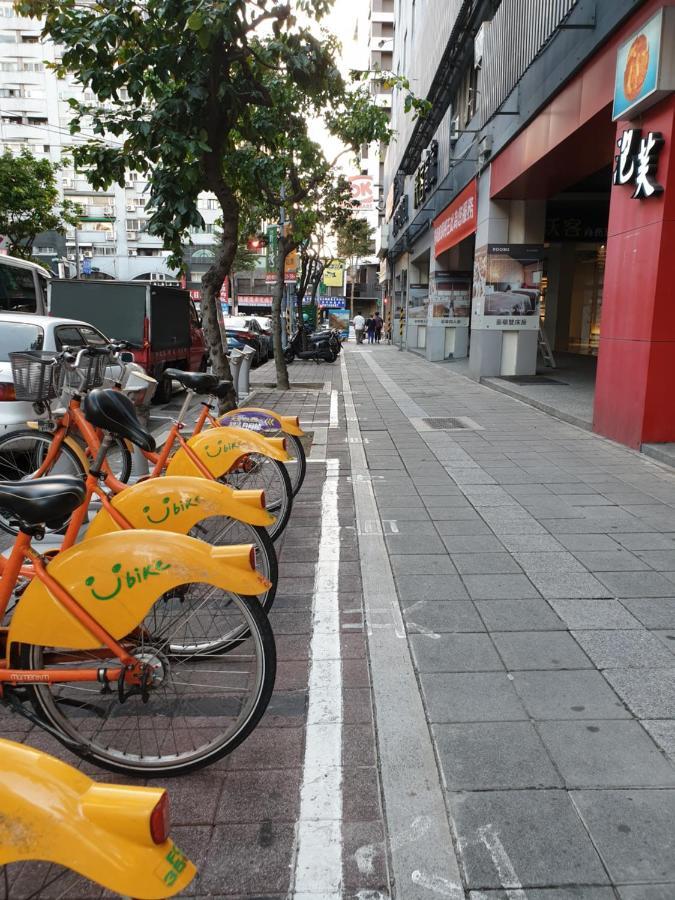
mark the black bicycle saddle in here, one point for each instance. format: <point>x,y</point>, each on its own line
<point>39,501</point>
<point>199,382</point>
<point>113,411</point>
<point>222,389</point>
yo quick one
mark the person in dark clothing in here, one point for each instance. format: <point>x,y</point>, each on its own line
<point>370,328</point>
<point>379,322</point>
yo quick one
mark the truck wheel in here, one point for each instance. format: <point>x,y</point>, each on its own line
<point>163,390</point>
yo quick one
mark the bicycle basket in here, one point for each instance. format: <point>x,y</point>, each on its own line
<point>37,377</point>
<point>89,374</point>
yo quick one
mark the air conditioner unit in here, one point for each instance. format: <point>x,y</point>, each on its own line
<point>131,207</point>
<point>485,148</point>
<point>107,210</point>
<point>87,254</point>
<point>133,253</point>
<point>131,235</point>
<point>454,130</point>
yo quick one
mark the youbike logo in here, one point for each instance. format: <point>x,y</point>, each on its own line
<point>215,449</point>
<point>253,422</point>
<point>131,577</point>
<point>172,508</point>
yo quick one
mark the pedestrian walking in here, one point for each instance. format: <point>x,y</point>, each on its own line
<point>379,322</point>
<point>370,328</point>
<point>359,325</point>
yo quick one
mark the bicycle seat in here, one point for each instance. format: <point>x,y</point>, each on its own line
<point>41,501</point>
<point>199,382</point>
<point>221,389</point>
<point>113,411</point>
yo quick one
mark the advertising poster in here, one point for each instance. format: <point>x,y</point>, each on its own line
<point>291,267</point>
<point>507,286</point>
<point>272,249</point>
<point>449,299</point>
<point>339,319</point>
<point>643,72</point>
<point>334,273</point>
<point>362,192</point>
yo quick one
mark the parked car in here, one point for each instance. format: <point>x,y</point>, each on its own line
<point>159,322</point>
<point>23,286</point>
<point>247,330</point>
<point>32,332</point>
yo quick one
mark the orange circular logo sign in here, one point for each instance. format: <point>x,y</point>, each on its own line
<point>637,65</point>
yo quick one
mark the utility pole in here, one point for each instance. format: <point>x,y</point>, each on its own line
<point>77,252</point>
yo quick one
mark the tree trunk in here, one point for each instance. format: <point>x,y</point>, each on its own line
<point>277,294</point>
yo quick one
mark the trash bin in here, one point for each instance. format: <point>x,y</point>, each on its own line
<point>243,387</point>
<point>236,358</point>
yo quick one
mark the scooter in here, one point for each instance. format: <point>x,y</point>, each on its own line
<point>319,346</point>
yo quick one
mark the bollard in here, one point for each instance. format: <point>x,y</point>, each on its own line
<point>235,357</point>
<point>243,386</point>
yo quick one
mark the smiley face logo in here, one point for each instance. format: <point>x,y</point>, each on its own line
<point>214,450</point>
<point>118,586</point>
<point>167,511</point>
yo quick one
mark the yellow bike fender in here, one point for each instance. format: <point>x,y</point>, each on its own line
<point>263,421</point>
<point>117,578</point>
<point>178,503</point>
<point>221,449</point>
<point>49,811</point>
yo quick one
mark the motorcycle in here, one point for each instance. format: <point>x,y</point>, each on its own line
<point>321,346</point>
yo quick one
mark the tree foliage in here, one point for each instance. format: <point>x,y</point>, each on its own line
<point>30,202</point>
<point>354,238</point>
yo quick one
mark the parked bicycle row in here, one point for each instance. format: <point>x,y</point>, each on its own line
<point>139,637</point>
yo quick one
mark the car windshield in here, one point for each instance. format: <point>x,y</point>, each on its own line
<point>17,290</point>
<point>19,336</point>
<point>234,323</point>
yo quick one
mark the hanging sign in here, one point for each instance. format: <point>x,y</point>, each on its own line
<point>637,162</point>
<point>363,197</point>
<point>644,66</point>
<point>457,221</point>
<point>334,273</point>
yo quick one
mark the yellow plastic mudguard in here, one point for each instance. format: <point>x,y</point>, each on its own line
<point>262,421</point>
<point>50,811</point>
<point>117,578</point>
<point>221,449</point>
<point>177,503</point>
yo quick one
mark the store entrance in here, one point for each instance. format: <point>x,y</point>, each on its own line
<point>576,233</point>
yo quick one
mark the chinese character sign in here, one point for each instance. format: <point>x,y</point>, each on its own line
<point>333,273</point>
<point>508,290</point>
<point>637,161</point>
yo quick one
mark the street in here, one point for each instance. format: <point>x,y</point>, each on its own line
<point>475,627</point>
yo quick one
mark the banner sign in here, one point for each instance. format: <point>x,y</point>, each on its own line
<point>331,302</point>
<point>254,299</point>
<point>291,267</point>
<point>644,66</point>
<point>362,192</point>
<point>334,273</point>
<point>272,248</point>
<point>507,287</point>
<point>457,221</point>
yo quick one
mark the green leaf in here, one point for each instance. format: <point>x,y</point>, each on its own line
<point>195,21</point>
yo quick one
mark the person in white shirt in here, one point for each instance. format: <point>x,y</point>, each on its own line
<point>359,326</point>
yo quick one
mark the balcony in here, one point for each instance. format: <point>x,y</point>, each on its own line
<point>365,290</point>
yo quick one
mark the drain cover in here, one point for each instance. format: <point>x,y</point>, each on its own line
<point>451,423</point>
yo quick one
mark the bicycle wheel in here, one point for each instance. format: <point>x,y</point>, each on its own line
<point>297,467</point>
<point>258,472</point>
<point>200,705</point>
<point>217,530</point>
<point>22,453</point>
<point>118,458</point>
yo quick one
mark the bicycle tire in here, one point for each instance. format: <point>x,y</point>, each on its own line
<point>298,468</point>
<point>271,476</point>
<point>235,532</point>
<point>51,702</point>
<point>66,462</point>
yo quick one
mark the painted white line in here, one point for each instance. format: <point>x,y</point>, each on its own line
<point>507,874</point>
<point>333,414</point>
<point>438,885</point>
<point>318,859</point>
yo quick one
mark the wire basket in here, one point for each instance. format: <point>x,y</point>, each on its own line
<point>89,374</point>
<point>38,377</point>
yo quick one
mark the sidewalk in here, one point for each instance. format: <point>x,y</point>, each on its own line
<point>535,569</point>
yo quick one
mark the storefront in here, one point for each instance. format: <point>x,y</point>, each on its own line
<point>589,179</point>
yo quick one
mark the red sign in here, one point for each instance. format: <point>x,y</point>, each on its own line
<point>362,192</point>
<point>196,296</point>
<point>457,221</point>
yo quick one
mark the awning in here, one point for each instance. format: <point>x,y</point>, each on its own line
<point>457,221</point>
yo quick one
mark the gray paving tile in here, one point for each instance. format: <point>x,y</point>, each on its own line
<point>637,584</point>
<point>471,697</point>
<point>531,543</point>
<point>663,732</point>
<point>424,564</point>
<point>648,693</point>
<point>461,543</point>
<point>493,755</point>
<point>499,587</point>
<point>646,541</point>
<point>622,649</point>
<point>485,563</point>
<point>459,528</point>
<point>566,893</point>
<point>404,513</point>
<point>582,694</point>
<point>647,891</point>
<point>540,650</point>
<point>619,560</point>
<point>454,653</point>
<point>606,754</point>
<point>568,585</point>
<point>632,830</point>
<point>414,543</point>
<point>538,831</point>
<point>548,563</point>
<point>653,613</point>
<point>587,542</point>
<point>458,616</point>
<point>412,588</point>
<point>594,613</point>
<point>532,614</point>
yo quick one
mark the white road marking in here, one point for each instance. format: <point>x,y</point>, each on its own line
<point>438,885</point>
<point>365,856</point>
<point>333,415</point>
<point>423,630</point>
<point>505,870</point>
<point>318,861</point>
<point>419,826</point>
